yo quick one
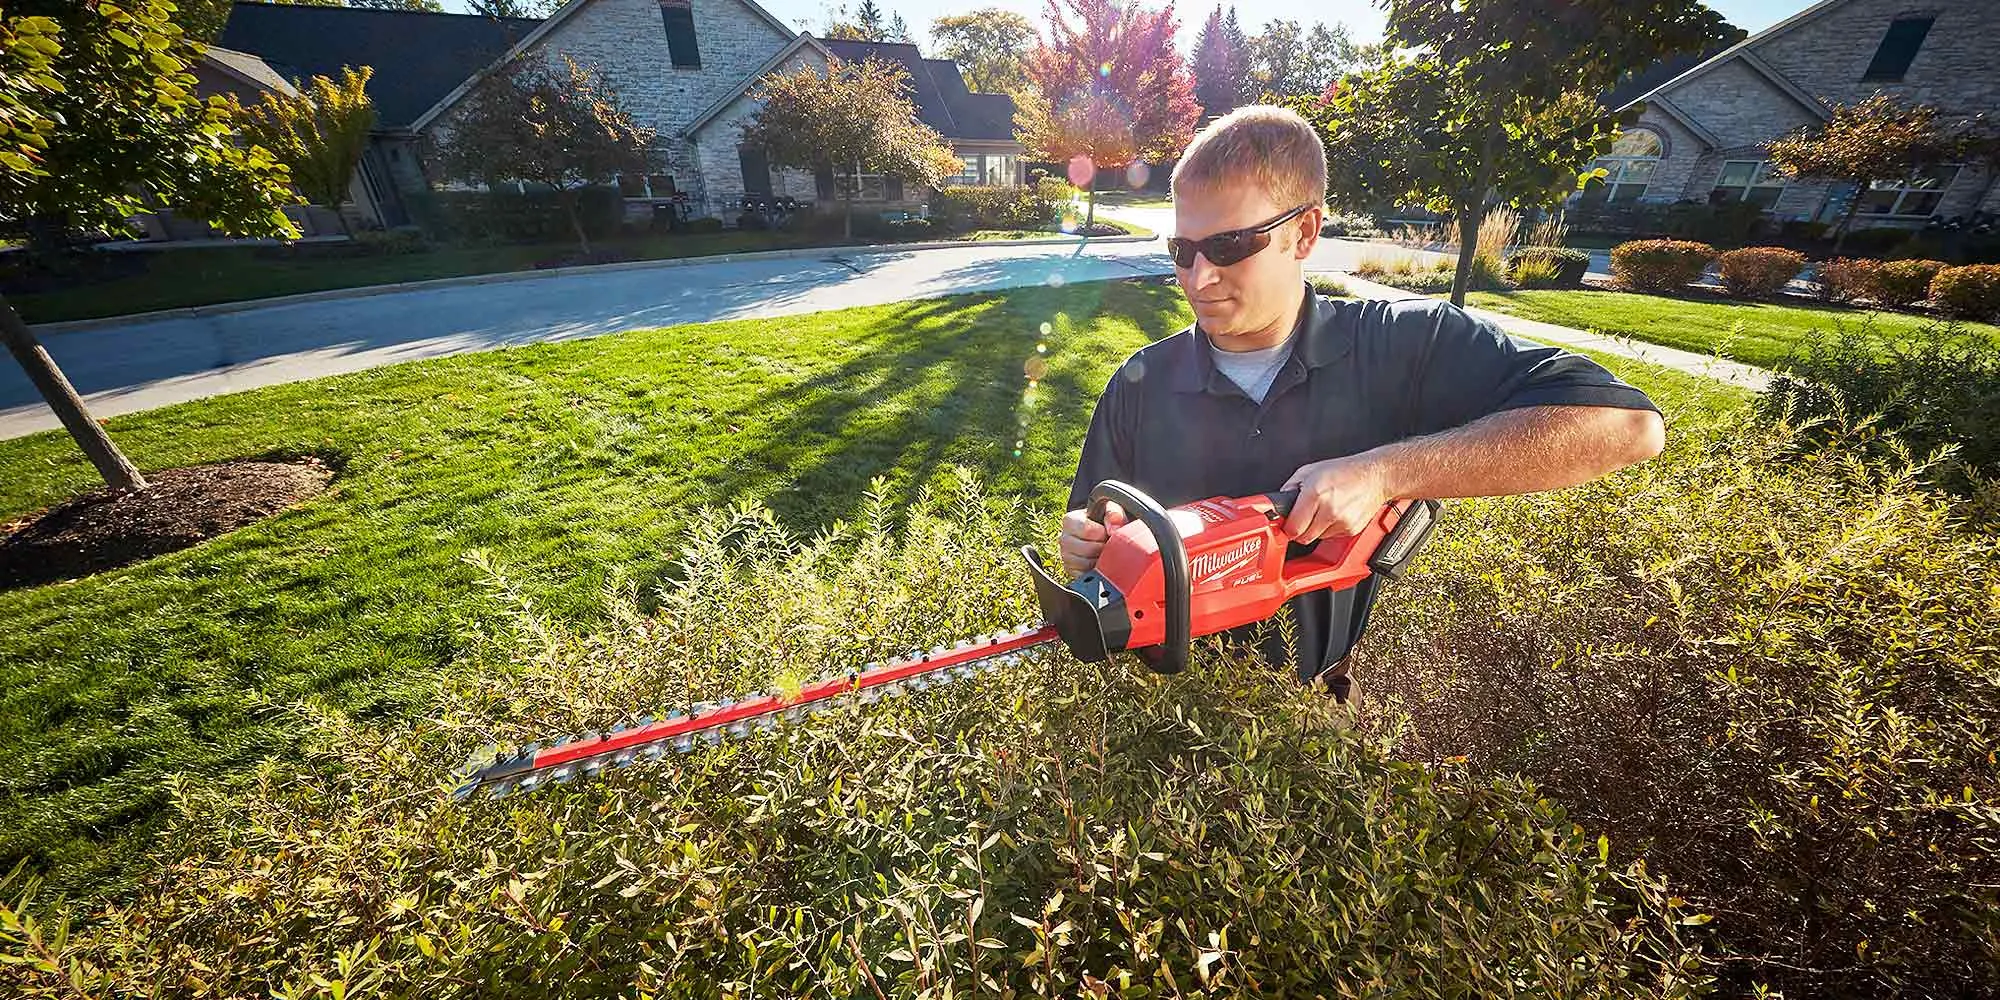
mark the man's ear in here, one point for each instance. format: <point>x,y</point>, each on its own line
<point>1311,219</point>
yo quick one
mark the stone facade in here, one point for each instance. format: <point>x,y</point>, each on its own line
<point>1783,78</point>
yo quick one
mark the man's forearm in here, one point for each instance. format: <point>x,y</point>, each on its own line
<point>1519,451</point>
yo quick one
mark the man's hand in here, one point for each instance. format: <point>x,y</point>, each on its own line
<point>1082,538</point>
<point>1337,498</point>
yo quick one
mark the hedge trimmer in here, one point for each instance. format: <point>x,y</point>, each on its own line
<point>1161,580</point>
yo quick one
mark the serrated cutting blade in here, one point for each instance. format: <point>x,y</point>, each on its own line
<point>492,775</point>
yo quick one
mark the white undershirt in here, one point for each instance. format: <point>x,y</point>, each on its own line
<point>1253,371</point>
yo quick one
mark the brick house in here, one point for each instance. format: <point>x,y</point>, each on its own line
<point>1700,135</point>
<point>682,67</point>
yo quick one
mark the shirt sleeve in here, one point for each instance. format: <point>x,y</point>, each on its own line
<point>1107,445</point>
<point>1462,368</point>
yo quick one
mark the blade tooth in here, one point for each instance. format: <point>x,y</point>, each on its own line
<point>464,791</point>
<point>625,758</point>
<point>497,790</point>
<point>712,736</point>
<point>652,751</point>
<point>767,722</point>
<point>684,744</point>
<point>740,727</point>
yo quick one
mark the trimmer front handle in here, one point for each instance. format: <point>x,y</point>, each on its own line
<point>1168,576</point>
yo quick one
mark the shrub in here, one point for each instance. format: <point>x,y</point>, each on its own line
<point>1763,664</point>
<point>1029,833</point>
<point>703,224</point>
<point>1659,265</point>
<point>1351,225</point>
<point>910,228</point>
<point>1844,279</point>
<point>962,207</point>
<point>1732,223</point>
<point>1904,283</point>
<point>1970,292</point>
<point>1564,267</point>
<point>1759,272</point>
<point>1535,272</point>
<point>1874,241</point>
<point>1935,388</point>
<point>1329,286</point>
<point>503,216</point>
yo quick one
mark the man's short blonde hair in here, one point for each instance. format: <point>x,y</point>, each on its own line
<point>1262,144</point>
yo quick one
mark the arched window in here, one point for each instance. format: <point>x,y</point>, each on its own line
<point>1629,167</point>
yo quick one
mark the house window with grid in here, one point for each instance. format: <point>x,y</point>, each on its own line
<point>1628,169</point>
<point>646,185</point>
<point>969,171</point>
<point>1001,170</point>
<point>1754,181</point>
<point>1917,194</point>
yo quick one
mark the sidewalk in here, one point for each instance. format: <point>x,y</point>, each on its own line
<point>1729,372</point>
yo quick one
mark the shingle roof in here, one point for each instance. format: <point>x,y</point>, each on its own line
<point>418,56</point>
<point>248,68</point>
<point>942,99</point>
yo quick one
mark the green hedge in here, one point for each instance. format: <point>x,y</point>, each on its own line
<point>964,207</point>
<point>515,217</point>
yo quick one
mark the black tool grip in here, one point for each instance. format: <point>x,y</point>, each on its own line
<point>1171,656</point>
<point>1282,502</point>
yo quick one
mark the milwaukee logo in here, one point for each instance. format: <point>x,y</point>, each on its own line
<point>1212,566</point>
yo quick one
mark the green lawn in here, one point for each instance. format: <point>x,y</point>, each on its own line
<point>563,461</point>
<point>1134,199</point>
<point>199,277</point>
<point>1756,333</point>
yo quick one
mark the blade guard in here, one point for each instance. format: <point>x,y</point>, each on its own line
<point>1245,573</point>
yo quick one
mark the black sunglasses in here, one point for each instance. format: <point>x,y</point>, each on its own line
<point>1224,249</point>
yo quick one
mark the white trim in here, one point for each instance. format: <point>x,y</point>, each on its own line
<point>541,31</point>
<point>1792,90</point>
<point>721,104</point>
<point>1731,52</point>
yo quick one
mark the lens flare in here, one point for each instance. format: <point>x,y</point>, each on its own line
<point>1138,174</point>
<point>1081,169</point>
<point>1104,70</point>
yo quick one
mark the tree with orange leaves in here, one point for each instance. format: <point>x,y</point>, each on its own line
<point>1106,89</point>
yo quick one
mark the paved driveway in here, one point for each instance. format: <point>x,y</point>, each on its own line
<point>148,363</point>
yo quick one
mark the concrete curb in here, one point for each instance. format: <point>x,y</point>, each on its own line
<point>365,291</point>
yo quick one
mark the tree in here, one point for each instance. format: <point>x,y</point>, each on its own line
<point>1106,90</point>
<point>427,5</point>
<point>1879,139</point>
<point>990,45</point>
<point>867,25</point>
<point>1220,64</point>
<point>853,116</point>
<point>1278,59</point>
<point>514,8</point>
<point>1458,123</point>
<point>566,130</point>
<point>319,133</point>
<point>99,121</point>
<point>1329,53</point>
<point>202,20</point>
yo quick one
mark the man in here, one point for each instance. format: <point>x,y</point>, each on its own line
<point>1354,404</point>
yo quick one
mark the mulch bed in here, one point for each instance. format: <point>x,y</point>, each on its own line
<point>104,530</point>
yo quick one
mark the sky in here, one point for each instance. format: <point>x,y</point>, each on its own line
<point>1363,19</point>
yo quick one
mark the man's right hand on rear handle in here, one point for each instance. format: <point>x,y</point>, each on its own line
<point>1082,538</point>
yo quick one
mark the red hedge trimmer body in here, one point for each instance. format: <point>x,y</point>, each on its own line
<point>1164,578</point>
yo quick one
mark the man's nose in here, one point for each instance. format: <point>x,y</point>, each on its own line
<point>1203,272</point>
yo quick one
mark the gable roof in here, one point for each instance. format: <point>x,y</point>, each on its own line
<point>937,88</point>
<point>246,68</point>
<point>541,30</point>
<point>1742,48</point>
<point>418,56</point>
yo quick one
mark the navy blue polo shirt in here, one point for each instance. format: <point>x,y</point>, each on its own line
<point>1360,375</point>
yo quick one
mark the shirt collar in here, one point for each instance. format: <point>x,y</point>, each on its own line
<point>1314,339</point>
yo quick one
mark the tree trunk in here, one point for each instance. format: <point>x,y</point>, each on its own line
<point>1468,247</point>
<point>1090,211</point>
<point>118,471</point>
<point>569,198</point>
<point>853,191</point>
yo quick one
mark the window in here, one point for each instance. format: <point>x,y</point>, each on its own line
<point>1754,181</point>
<point>1917,194</point>
<point>1628,169</point>
<point>873,187</point>
<point>1899,48</point>
<point>646,185</point>
<point>679,18</point>
<point>1000,170</point>
<point>969,173</point>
